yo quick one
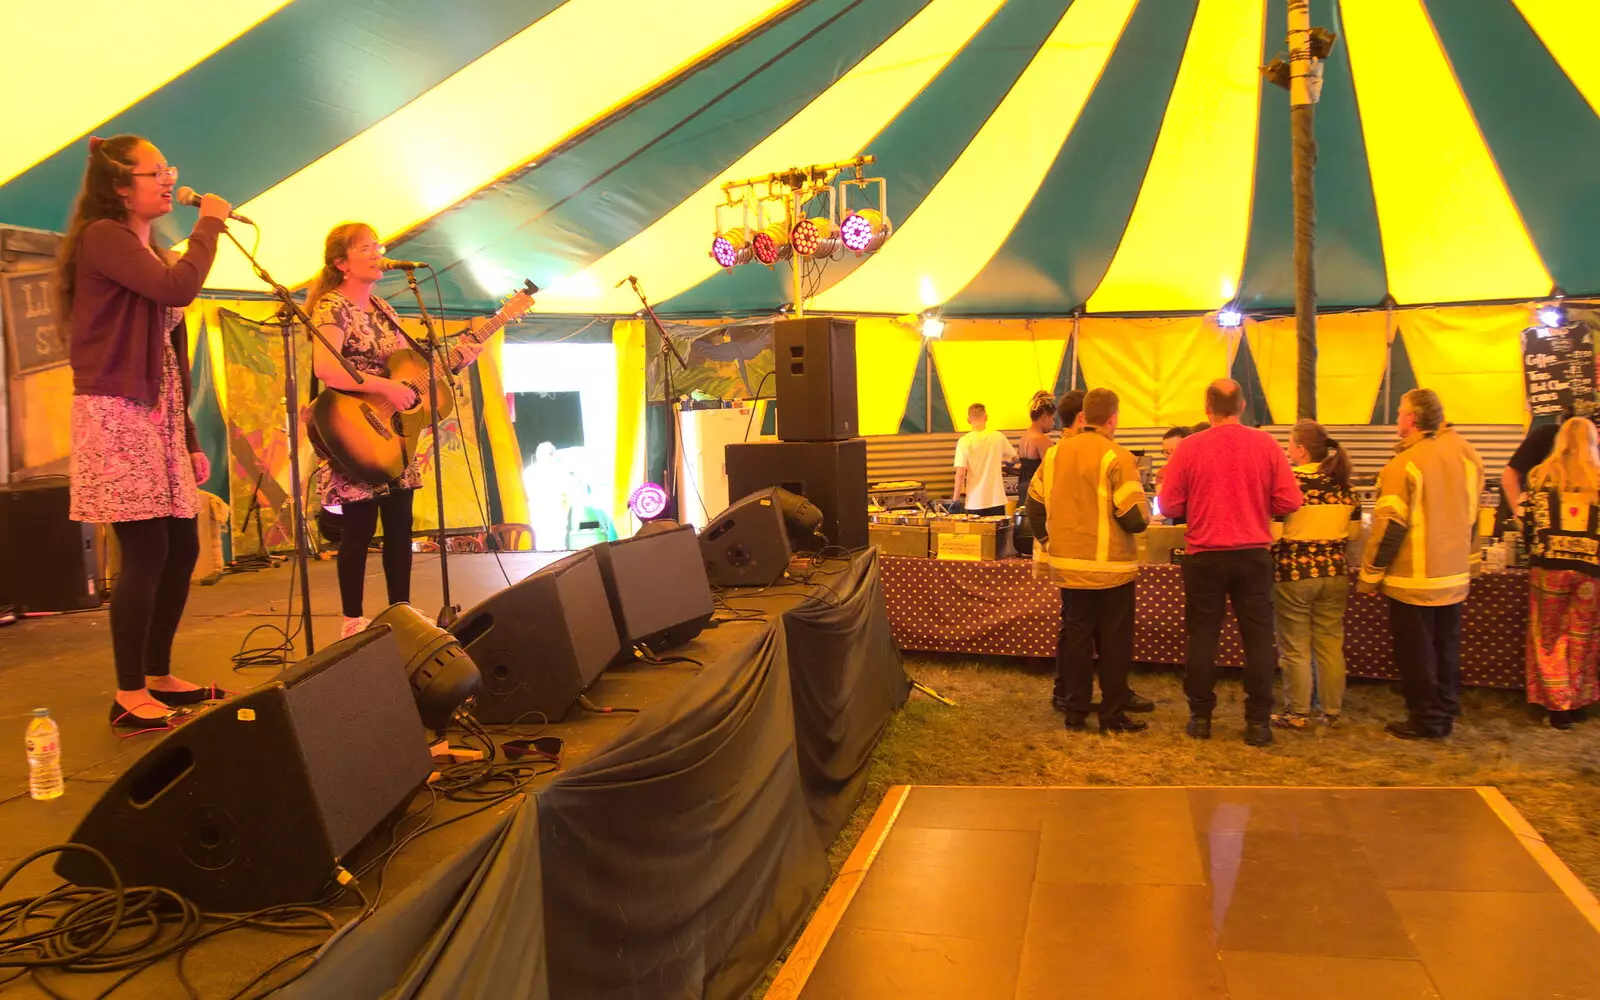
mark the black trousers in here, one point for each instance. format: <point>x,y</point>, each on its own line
<point>988,511</point>
<point>1210,580</point>
<point>158,557</point>
<point>1427,651</point>
<point>1095,620</point>
<point>360,524</point>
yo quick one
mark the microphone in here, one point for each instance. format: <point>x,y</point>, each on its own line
<point>403,265</point>
<point>188,196</point>
<point>624,281</point>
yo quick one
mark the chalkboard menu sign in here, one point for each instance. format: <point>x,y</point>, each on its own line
<point>1559,366</point>
<point>34,338</point>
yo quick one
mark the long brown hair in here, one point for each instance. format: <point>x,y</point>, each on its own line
<point>1332,460</point>
<point>110,163</point>
<point>1571,465</point>
<point>334,249</point>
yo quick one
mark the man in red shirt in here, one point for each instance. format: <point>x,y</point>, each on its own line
<point>1229,483</point>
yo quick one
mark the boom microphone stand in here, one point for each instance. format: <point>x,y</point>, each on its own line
<point>669,475</point>
<point>288,313</point>
<point>434,349</point>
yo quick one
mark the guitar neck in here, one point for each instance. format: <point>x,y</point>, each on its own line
<point>478,336</point>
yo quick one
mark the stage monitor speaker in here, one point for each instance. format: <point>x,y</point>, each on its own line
<point>747,545</point>
<point>256,801</point>
<point>657,586</point>
<point>831,474</point>
<point>540,643</point>
<point>47,560</point>
<point>815,360</point>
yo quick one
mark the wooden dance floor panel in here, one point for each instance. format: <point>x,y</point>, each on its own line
<point>1178,893</point>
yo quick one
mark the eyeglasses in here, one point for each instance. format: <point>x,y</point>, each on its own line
<point>159,173</point>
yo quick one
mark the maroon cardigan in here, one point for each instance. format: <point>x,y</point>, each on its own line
<point>119,308</point>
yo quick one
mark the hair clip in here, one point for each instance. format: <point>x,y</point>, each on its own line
<point>94,144</point>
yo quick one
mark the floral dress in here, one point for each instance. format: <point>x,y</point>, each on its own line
<point>130,462</point>
<point>370,336</point>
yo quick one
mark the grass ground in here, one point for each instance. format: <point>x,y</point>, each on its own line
<point>1003,732</point>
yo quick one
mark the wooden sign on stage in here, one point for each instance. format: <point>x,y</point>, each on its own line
<point>33,334</point>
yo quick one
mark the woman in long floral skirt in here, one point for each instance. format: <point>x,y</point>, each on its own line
<point>1560,516</point>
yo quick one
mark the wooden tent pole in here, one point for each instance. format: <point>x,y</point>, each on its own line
<point>1301,114</point>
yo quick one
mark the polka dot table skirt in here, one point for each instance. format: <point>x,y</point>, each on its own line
<point>998,608</point>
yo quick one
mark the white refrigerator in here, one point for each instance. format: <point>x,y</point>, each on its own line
<point>702,464</point>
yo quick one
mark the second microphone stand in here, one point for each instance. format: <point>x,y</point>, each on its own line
<point>435,349</point>
<point>288,312</point>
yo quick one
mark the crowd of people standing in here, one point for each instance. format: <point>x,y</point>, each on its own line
<point>1267,532</point>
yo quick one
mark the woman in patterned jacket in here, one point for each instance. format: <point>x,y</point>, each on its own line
<point>1313,577</point>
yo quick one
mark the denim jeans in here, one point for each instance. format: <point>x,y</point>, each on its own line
<point>1310,619</point>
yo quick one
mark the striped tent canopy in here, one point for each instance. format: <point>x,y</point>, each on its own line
<point>1121,157</point>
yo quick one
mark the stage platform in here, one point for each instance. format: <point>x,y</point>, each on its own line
<point>1179,893</point>
<point>675,852</point>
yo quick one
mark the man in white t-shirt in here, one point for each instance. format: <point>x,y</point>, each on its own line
<point>979,456</point>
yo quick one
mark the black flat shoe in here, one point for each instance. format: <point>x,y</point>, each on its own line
<point>1074,725</point>
<point>1258,734</point>
<point>1138,703</point>
<point>1407,731</point>
<point>1123,725</point>
<point>179,699</point>
<point>1199,727</point>
<point>122,718</point>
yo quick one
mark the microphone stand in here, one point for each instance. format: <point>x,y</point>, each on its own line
<point>669,475</point>
<point>449,612</point>
<point>288,313</point>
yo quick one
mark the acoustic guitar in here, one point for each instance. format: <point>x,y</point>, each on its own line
<point>364,437</point>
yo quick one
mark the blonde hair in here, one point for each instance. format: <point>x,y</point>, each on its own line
<point>334,249</point>
<point>1572,466</point>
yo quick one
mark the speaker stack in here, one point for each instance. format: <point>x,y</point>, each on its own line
<point>47,560</point>
<point>817,454</point>
<point>254,802</point>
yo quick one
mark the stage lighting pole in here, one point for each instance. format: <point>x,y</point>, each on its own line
<point>290,311</point>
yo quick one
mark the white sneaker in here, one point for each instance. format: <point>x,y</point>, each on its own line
<point>352,626</point>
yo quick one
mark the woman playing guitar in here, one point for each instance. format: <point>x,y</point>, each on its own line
<point>366,331</point>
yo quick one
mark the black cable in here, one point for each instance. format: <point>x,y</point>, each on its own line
<point>759,386</point>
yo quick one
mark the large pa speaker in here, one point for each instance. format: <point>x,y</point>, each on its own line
<point>47,560</point>
<point>747,545</point>
<point>254,802</point>
<point>815,359</point>
<point>831,474</point>
<point>657,587</point>
<point>540,643</point>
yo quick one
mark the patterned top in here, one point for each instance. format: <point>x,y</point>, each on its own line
<point>1315,559</point>
<point>1562,530</point>
<point>130,462</point>
<point>370,337</point>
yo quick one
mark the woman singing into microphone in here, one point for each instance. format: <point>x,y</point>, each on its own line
<point>365,330</point>
<point>135,460</point>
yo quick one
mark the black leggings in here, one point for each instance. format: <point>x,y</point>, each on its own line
<point>158,557</point>
<point>360,523</point>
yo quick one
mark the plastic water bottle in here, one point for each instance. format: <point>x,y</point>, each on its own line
<point>44,757</point>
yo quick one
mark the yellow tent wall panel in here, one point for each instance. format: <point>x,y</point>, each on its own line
<point>1000,364</point>
<point>1472,357</point>
<point>1352,352</point>
<point>886,364</point>
<point>1159,368</point>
